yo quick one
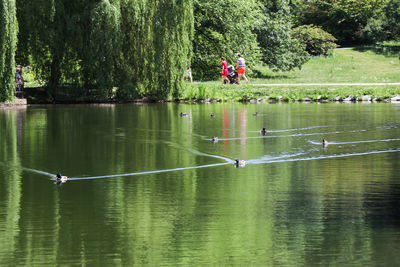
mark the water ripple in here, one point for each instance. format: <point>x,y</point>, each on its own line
<point>354,142</point>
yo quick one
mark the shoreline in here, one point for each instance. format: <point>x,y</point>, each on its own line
<point>22,103</point>
<point>213,93</point>
<point>18,103</point>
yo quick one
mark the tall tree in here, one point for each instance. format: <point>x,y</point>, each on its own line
<point>36,23</point>
<point>155,46</point>
<point>392,18</point>
<point>222,29</point>
<point>279,50</point>
<point>100,50</point>
<point>8,37</point>
<point>92,46</point>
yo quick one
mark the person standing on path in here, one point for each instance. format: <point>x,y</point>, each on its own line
<point>19,80</point>
<point>240,66</point>
<point>224,71</point>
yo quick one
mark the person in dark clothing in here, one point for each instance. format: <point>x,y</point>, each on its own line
<point>19,80</point>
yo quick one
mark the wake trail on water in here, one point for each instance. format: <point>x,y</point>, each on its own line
<point>294,156</point>
<point>227,161</point>
<point>29,169</point>
<point>278,160</point>
<point>266,159</point>
<point>279,136</point>
<point>294,129</point>
<point>38,172</point>
<point>198,152</point>
<point>354,142</point>
<point>146,172</point>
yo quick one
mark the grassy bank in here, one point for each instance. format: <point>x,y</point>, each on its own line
<point>352,65</point>
<point>344,66</point>
<point>355,65</point>
<point>247,93</point>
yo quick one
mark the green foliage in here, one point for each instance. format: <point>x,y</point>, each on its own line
<point>8,37</point>
<point>101,53</point>
<point>392,17</point>
<point>384,26</point>
<point>317,41</point>
<point>391,43</point>
<point>36,23</point>
<point>257,29</point>
<point>222,29</point>
<point>92,46</point>
<point>375,30</point>
<point>279,50</point>
<point>345,19</point>
<point>155,46</point>
<point>388,48</point>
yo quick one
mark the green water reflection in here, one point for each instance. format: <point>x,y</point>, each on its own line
<point>294,204</point>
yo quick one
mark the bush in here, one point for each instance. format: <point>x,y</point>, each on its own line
<point>374,31</point>
<point>390,48</point>
<point>317,41</point>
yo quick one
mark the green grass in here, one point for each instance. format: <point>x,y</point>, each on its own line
<point>282,93</point>
<point>344,66</point>
<point>356,65</point>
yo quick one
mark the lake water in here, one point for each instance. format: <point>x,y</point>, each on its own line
<point>148,188</point>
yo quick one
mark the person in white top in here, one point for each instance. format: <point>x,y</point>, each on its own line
<point>241,67</point>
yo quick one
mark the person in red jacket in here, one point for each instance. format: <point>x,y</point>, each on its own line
<point>224,71</point>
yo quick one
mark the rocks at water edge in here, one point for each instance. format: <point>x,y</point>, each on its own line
<point>325,99</point>
<point>395,99</point>
<point>366,98</point>
<point>350,98</point>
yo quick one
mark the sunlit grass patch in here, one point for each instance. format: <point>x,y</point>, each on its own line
<point>344,66</point>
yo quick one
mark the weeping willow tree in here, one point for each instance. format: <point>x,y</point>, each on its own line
<point>50,33</point>
<point>36,23</point>
<point>100,52</point>
<point>8,37</point>
<point>89,47</point>
<point>72,44</point>
<point>155,47</point>
<point>172,45</point>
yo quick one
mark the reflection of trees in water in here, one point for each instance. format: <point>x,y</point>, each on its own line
<point>10,189</point>
<point>287,213</point>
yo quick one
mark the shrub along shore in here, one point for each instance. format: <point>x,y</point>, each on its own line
<point>253,93</point>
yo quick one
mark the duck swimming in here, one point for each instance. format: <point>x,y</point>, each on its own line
<point>183,114</point>
<point>212,115</point>
<point>239,163</point>
<point>61,179</point>
<point>324,143</point>
<point>263,131</point>
<point>214,139</point>
<point>255,114</point>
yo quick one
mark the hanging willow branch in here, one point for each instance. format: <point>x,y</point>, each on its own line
<point>8,38</point>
